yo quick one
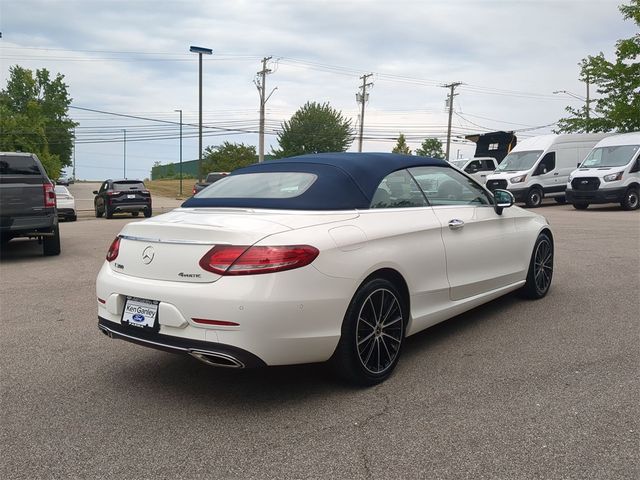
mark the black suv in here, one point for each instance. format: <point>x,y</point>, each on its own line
<point>122,196</point>
<point>27,201</point>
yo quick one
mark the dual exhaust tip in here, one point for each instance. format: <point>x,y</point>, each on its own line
<point>216,359</point>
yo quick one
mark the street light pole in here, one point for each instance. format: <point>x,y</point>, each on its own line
<point>200,51</point>
<point>180,150</point>
<point>124,146</point>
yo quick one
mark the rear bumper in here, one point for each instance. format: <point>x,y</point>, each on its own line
<point>210,352</point>
<point>602,195</point>
<point>66,213</point>
<point>16,226</point>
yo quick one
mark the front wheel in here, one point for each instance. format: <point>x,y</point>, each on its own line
<point>631,201</point>
<point>540,268</point>
<point>372,334</point>
<point>534,197</point>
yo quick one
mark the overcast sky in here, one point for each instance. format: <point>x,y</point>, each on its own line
<point>132,57</point>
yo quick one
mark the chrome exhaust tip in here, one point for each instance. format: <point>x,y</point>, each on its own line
<point>216,359</point>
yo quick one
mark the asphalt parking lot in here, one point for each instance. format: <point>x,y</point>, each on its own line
<point>514,389</point>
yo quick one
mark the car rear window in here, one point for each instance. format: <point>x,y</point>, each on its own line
<point>260,185</point>
<point>18,165</point>
<point>128,185</point>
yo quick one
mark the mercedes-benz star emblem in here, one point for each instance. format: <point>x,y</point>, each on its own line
<point>147,255</point>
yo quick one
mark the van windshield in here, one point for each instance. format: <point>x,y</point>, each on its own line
<point>615,156</point>
<point>516,161</point>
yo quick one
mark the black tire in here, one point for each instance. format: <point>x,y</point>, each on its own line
<point>135,214</point>
<point>51,245</point>
<point>98,212</point>
<point>372,338</point>
<point>560,200</point>
<point>631,199</point>
<point>580,206</point>
<point>73,218</point>
<point>534,197</point>
<point>540,271</point>
<point>108,213</point>
<point>147,212</point>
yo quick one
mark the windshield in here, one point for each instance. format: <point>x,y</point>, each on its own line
<point>458,163</point>
<point>517,161</point>
<point>616,156</point>
<point>260,185</point>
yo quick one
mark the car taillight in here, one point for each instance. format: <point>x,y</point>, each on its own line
<point>113,193</point>
<point>49,195</point>
<point>193,191</point>
<point>245,260</point>
<point>114,249</point>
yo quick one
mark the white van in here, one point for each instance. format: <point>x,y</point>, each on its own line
<point>539,167</point>
<point>609,174</point>
<point>478,167</point>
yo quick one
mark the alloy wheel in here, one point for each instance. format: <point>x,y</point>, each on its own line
<point>379,330</point>
<point>543,265</point>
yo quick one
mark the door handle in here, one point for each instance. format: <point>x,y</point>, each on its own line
<point>456,224</point>
<point>556,174</point>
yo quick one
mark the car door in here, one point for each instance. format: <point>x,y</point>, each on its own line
<point>101,195</point>
<point>402,228</point>
<point>483,249</point>
<point>547,175</point>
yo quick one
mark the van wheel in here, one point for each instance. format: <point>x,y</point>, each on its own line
<point>372,334</point>
<point>540,268</point>
<point>51,245</point>
<point>631,201</point>
<point>580,206</point>
<point>534,197</point>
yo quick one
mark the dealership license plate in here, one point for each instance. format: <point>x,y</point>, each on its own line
<point>131,196</point>
<point>139,312</point>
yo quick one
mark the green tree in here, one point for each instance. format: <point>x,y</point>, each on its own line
<point>227,157</point>
<point>36,105</point>
<point>401,146</point>
<point>431,147</point>
<point>618,84</point>
<point>314,128</point>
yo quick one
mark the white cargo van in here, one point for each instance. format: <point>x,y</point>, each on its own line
<point>609,174</point>
<point>539,167</point>
<point>478,167</point>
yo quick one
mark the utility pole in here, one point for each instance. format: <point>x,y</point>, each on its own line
<point>451,86</point>
<point>180,150</point>
<point>588,100</point>
<point>74,154</point>
<point>124,131</point>
<point>362,96</point>
<point>260,83</point>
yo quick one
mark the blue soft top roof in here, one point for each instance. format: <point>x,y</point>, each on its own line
<point>345,181</point>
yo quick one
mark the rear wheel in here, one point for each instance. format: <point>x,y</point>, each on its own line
<point>561,200</point>
<point>108,213</point>
<point>135,214</point>
<point>372,334</point>
<point>51,245</point>
<point>73,218</point>
<point>98,212</point>
<point>580,206</point>
<point>534,197</point>
<point>147,212</point>
<point>631,201</point>
<point>540,268</point>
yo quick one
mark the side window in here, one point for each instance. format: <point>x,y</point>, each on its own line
<point>636,166</point>
<point>398,190</point>
<point>488,166</point>
<point>446,186</point>
<point>473,167</point>
<point>103,187</point>
<point>547,164</point>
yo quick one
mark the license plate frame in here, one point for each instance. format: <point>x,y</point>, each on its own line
<point>141,314</point>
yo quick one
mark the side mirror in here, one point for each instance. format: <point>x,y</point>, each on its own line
<point>95,192</point>
<point>504,199</point>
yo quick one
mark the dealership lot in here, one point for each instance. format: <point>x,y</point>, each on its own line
<point>514,389</point>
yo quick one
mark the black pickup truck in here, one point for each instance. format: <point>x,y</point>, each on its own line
<point>211,178</point>
<point>27,202</point>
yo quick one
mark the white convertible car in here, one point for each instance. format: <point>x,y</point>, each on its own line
<point>320,257</point>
